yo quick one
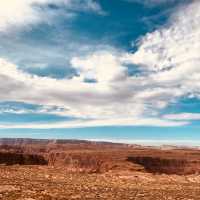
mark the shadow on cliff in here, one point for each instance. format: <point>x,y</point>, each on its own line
<point>161,165</point>
<point>21,159</point>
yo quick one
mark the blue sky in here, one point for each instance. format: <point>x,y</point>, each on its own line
<point>121,70</point>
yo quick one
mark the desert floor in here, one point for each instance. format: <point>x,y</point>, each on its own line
<point>50,183</point>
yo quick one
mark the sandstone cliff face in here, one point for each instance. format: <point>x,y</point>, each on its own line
<point>78,162</point>
<point>93,157</point>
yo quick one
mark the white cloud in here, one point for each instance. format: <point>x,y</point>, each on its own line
<point>152,2</point>
<point>17,13</point>
<point>183,116</point>
<point>101,66</point>
<point>79,99</point>
<point>170,55</point>
<point>20,108</point>
<point>95,123</point>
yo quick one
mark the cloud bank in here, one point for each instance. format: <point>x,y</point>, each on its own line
<point>103,93</point>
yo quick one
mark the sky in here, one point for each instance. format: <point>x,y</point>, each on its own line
<point>115,70</point>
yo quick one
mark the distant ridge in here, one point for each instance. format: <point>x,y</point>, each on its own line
<point>30,141</point>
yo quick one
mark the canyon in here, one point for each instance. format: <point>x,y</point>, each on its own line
<point>77,169</point>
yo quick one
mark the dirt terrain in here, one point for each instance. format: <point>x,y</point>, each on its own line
<point>70,169</point>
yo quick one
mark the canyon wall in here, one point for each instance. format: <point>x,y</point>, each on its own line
<point>94,157</point>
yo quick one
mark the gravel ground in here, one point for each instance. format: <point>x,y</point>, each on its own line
<point>47,183</point>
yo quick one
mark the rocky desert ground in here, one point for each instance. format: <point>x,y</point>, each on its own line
<point>69,169</point>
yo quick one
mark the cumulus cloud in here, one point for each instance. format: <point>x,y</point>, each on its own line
<point>101,66</point>
<point>170,55</point>
<point>174,45</point>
